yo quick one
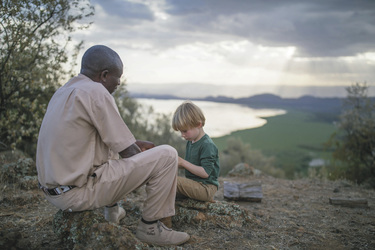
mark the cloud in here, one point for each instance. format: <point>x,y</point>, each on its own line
<point>315,28</point>
<point>127,10</point>
<point>239,42</point>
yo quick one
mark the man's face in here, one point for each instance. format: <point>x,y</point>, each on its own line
<point>112,80</point>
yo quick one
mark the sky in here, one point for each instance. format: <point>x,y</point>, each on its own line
<point>239,48</point>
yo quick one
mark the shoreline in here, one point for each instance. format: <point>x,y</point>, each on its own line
<point>219,116</point>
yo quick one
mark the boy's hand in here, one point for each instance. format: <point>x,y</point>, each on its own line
<point>144,145</point>
<point>180,162</point>
<point>194,169</point>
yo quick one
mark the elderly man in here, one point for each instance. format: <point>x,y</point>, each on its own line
<point>80,140</point>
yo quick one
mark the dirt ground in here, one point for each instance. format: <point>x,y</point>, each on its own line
<point>292,215</point>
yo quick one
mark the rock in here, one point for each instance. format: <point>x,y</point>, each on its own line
<point>241,169</point>
<point>249,191</point>
<point>211,214</point>
<point>8,240</point>
<point>349,202</point>
<point>13,239</point>
<point>89,230</point>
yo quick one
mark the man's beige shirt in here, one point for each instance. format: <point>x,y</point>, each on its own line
<point>81,130</point>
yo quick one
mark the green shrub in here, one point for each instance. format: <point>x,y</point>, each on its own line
<point>354,143</point>
<point>239,152</point>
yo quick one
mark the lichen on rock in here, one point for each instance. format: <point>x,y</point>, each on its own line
<point>211,214</point>
<point>89,230</point>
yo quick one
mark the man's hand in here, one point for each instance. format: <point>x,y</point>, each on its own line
<point>136,148</point>
<point>144,145</point>
<point>130,151</point>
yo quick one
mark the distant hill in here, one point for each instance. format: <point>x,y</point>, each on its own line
<point>306,103</point>
<point>155,96</point>
<point>201,90</point>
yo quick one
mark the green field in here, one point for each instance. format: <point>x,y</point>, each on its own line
<point>294,139</point>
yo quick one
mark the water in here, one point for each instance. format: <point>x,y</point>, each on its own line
<point>221,118</point>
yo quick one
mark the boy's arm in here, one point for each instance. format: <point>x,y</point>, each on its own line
<point>194,169</point>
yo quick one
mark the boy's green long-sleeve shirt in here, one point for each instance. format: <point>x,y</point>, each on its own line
<point>203,153</point>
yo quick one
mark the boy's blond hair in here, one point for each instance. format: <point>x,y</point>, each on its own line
<point>187,116</point>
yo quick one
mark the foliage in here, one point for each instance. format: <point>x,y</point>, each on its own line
<point>354,143</point>
<point>145,124</point>
<point>239,152</point>
<point>34,59</point>
<point>295,164</point>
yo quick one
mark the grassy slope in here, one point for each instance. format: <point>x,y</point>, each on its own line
<point>293,138</point>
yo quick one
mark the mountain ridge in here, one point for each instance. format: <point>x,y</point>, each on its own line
<point>305,103</point>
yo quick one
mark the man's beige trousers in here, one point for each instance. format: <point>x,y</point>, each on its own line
<point>112,181</point>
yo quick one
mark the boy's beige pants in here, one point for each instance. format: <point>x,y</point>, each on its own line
<point>187,188</point>
<point>195,190</point>
<point>156,168</point>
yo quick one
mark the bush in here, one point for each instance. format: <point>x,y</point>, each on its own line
<point>239,152</point>
<point>354,142</point>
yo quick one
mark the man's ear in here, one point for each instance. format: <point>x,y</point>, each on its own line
<point>103,75</point>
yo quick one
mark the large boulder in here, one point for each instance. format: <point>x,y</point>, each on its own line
<point>85,230</point>
<point>89,230</point>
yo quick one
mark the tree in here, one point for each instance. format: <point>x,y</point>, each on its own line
<point>355,141</point>
<point>36,54</point>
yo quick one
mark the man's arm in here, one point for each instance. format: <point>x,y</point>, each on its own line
<point>136,148</point>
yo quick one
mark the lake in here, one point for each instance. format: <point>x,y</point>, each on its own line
<point>221,118</point>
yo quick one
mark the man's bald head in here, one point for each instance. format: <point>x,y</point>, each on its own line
<point>99,58</point>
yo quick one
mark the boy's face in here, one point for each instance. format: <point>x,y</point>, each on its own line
<point>191,134</point>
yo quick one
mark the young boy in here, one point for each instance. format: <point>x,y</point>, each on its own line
<point>201,161</point>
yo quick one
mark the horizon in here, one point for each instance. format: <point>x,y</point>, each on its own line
<point>209,90</point>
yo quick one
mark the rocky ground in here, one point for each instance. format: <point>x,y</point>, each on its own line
<point>292,215</point>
